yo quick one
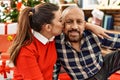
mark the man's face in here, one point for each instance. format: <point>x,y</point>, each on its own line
<point>74,25</point>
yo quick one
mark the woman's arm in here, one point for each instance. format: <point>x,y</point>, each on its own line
<point>98,30</point>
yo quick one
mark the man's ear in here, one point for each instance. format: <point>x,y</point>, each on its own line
<point>85,22</point>
<point>48,27</point>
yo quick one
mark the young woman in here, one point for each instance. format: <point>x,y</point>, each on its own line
<point>33,50</point>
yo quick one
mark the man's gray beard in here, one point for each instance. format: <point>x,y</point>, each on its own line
<point>73,40</point>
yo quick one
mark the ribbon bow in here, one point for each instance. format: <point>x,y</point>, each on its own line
<point>4,69</point>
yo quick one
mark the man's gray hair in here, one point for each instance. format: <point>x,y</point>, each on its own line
<point>66,10</point>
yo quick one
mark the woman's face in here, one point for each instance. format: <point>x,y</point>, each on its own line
<point>56,24</point>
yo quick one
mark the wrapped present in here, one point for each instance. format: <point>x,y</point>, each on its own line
<point>2,28</point>
<point>8,28</point>
<point>7,32</point>
<point>6,70</point>
<point>11,28</point>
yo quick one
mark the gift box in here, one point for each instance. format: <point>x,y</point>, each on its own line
<point>7,33</point>
<point>6,70</point>
<point>8,28</point>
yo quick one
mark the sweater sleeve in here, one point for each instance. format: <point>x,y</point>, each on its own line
<point>27,65</point>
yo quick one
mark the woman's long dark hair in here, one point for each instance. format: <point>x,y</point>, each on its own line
<point>30,18</point>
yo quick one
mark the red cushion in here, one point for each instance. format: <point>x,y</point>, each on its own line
<point>64,76</point>
<point>5,56</point>
<point>5,41</point>
<point>115,76</point>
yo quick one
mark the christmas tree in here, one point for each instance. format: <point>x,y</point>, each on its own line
<point>10,13</point>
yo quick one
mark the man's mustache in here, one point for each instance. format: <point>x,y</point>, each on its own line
<point>74,30</point>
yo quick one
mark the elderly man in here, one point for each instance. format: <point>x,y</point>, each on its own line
<point>79,50</point>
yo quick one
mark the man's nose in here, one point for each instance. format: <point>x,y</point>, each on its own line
<point>75,25</point>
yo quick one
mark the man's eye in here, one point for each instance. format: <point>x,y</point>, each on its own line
<point>69,21</point>
<point>80,22</point>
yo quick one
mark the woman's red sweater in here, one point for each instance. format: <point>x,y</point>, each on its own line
<point>36,61</point>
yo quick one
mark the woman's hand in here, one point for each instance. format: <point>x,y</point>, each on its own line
<point>98,30</point>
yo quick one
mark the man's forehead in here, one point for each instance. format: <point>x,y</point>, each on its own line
<point>73,15</point>
<point>74,11</point>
